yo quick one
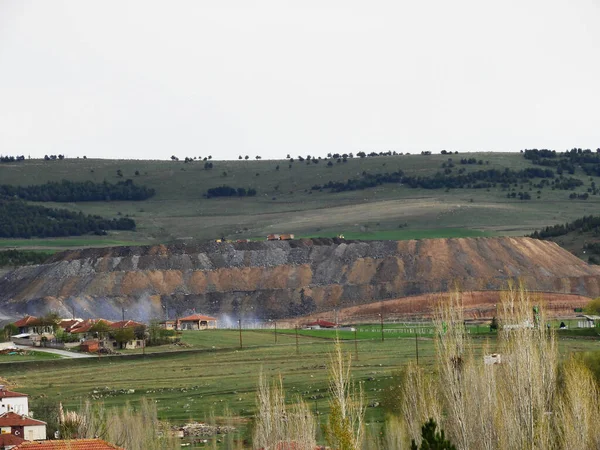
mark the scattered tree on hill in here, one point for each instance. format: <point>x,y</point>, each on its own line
<point>228,191</point>
<point>585,224</point>
<point>10,159</point>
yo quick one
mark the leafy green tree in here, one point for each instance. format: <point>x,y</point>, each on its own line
<point>494,324</point>
<point>124,335</point>
<point>432,440</point>
<point>50,319</point>
<point>593,307</point>
<point>8,331</point>
<point>101,328</point>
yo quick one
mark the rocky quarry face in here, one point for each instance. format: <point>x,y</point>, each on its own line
<point>282,279</point>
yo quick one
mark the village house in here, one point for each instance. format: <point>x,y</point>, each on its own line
<point>32,325</point>
<point>67,324</point>
<point>71,444</point>
<point>9,441</point>
<point>197,322</point>
<point>22,426</point>
<point>103,333</point>
<point>13,402</point>
<point>168,324</point>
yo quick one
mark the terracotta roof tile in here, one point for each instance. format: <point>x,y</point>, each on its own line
<point>9,439</point>
<point>9,394</point>
<point>87,324</point>
<point>11,419</point>
<point>126,324</point>
<point>27,321</point>
<point>73,444</point>
<point>195,317</point>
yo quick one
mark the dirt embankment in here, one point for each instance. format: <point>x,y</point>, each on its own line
<point>285,278</point>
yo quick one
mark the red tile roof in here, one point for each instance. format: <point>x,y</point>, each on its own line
<point>195,318</point>
<point>126,324</point>
<point>321,323</point>
<point>73,444</point>
<point>9,439</point>
<point>67,324</point>
<point>8,394</point>
<point>27,321</point>
<point>11,419</point>
<point>85,326</point>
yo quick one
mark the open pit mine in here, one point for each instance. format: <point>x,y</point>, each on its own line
<point>288,279</point>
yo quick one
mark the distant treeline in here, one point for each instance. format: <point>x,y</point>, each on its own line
<point>566,161</point>
<point>586,223</point>
<point>476,180</point>
<point>9,159</point>
<point>76,191</point>
<point>12,258</point>
<point>20,220</point>
<point>228,191</point>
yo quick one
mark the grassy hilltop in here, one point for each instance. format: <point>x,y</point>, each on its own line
<point>285,202</point>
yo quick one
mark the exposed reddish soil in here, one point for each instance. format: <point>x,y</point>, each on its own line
<point>477,305</point>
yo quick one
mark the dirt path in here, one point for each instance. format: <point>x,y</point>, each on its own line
<point>63,353</point>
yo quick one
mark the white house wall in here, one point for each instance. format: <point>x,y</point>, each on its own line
<point>18,405</point>
<point>35,433</point>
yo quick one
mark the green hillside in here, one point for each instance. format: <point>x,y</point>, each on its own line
<point>285,203</point>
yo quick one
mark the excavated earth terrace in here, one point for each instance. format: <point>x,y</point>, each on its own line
<point>284,279</point>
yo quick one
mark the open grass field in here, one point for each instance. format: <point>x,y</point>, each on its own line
<point>286,204</point>
<point>197,385</point>
<point>27,356</point>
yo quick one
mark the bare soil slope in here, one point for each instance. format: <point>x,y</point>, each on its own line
<point>284,279</point>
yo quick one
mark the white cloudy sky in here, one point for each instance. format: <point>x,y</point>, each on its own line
<point>144,79</point>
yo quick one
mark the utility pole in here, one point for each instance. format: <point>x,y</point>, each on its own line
<point>381,317</point>
<point>240,327</point>
<point>275,322</point>
<point>355,344</point>
<point>297,348</point>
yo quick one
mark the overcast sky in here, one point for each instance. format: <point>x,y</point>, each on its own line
<point>143,79</point>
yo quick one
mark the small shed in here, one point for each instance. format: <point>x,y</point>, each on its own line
<point>90,346</point>
<point>318,324</point>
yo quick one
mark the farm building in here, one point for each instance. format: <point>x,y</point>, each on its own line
<point>197,322</point>
<point>90,346</point>
<point>318,324</point>
<point>22,426</point>
<point>588,321</point>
